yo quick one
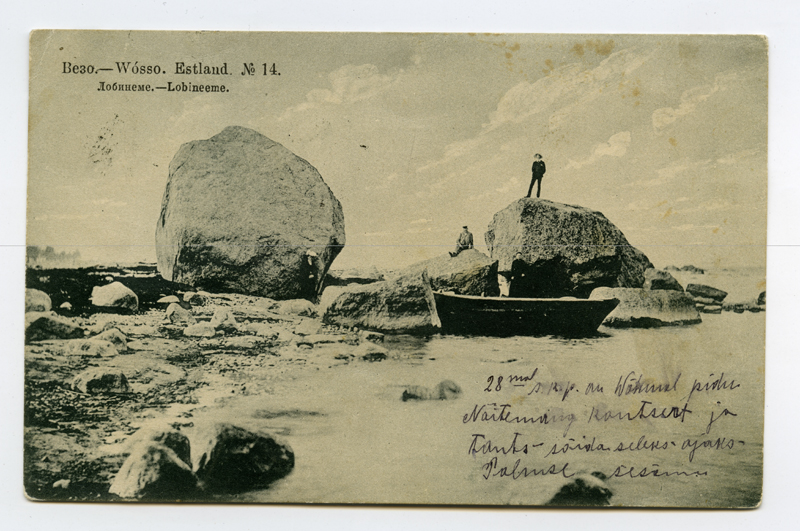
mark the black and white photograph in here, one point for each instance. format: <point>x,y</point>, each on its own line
<point>435,269</point>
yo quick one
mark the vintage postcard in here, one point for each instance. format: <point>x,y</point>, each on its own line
<point>388,268</point>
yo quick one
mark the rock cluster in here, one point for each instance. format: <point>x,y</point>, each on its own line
<point>243,214</point>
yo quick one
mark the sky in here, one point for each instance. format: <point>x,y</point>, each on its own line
<point>418,134</point>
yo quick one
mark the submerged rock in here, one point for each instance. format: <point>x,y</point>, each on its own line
<point>566,250</point>
<point>241,214</point>
<point>224,320</point>
<point>177,314</point>
<point>154,471</point>
<point>115,295</point>
<point>404,304</point>
<point>589,490</point>
<point>706,292</point>
<point>300,307</point>
<point>91,348</point>
<point>37,301</point>
<point>640,308</point>
<point>200,330</point>
<point>115,337</point>
<point>228,458</point>
<point>101,380</point>
<point>445,390</point>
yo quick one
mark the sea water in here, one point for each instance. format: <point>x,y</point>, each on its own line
<point>356,441</point>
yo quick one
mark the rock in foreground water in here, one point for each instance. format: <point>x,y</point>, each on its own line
<point>445,390</point>
<point>228,458</point>
<point>154,471</point>
<point>241,214</point>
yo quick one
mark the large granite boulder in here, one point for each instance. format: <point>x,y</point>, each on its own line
<point>469,273</point>
<point>566,250</point>
<point>404,304</point>
<point>243,214</point>
<point>641,308</point>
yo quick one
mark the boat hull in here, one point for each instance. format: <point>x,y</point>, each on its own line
<point>502,316</point>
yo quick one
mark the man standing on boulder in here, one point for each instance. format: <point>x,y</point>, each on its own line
<point>537,171</point>
<point>464,241</point>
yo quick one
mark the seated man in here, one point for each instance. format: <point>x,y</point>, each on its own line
<point>464,241</point>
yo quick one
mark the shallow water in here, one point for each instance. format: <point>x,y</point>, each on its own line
<point>356,441</point>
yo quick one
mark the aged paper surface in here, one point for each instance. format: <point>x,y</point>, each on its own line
<point>180,148</point>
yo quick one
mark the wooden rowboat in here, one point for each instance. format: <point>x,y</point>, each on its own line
<point>508,316</point>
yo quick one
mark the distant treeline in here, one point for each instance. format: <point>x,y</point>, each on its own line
<point>48,257</point>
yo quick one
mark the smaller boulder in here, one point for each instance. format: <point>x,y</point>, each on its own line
<point>154,471</point>
<point>762,298</point>
<point>658,279</point>
<point>224,320</point>
<point>200,330</point>
<point>115,295</point>
<point>701,290</point>
<point>228,458</point>
<point>166,435</point>
<point>65,306</point>
<point>169,299</point>
<point>40,326</point>
<point>100,380</point>
<point>177,314</point>
<point>711,308</point>
<point>115,337</point>
<point>91,348</point>
<point>37,301</point>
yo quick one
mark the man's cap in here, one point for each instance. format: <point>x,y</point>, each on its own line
<point>537,155</point>
<point>465,226</point>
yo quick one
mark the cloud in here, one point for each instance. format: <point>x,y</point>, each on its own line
<point>349,84</point>
<point>569,85</point>
<point>616,146</point>
<point>668,173</point>
<point>690,99</point>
